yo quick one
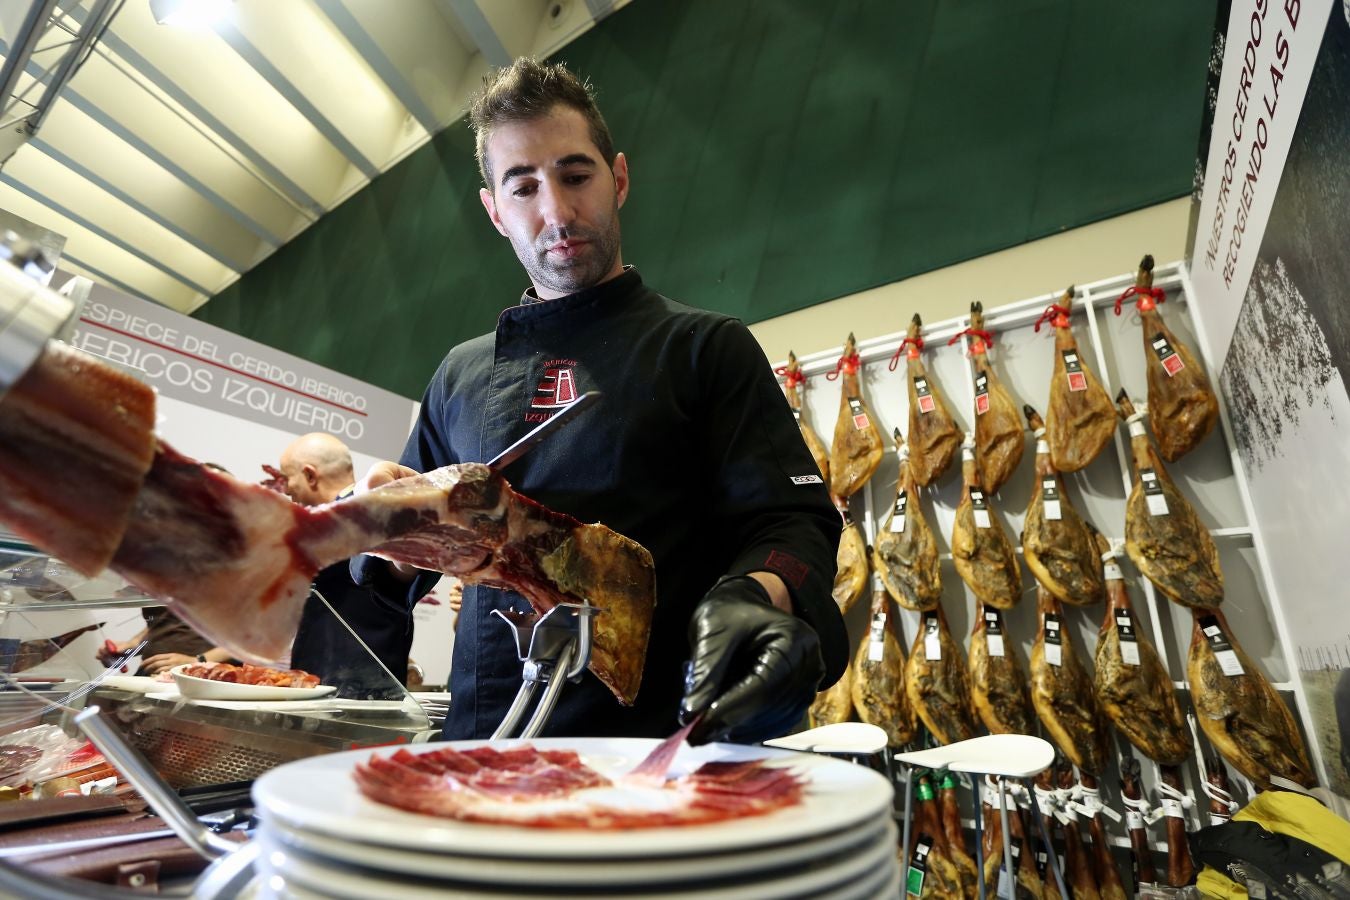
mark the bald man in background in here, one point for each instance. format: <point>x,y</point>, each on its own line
<point>318,469</point>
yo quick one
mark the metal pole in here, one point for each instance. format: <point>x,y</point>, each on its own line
<point>1007,839</point>
<point>909,814</point>
<point>1049,847</point>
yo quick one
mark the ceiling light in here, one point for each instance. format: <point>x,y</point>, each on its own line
<point>189,13</point>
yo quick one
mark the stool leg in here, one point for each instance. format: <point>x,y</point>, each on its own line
<point>1049,847</point>
<point>909,814</point>
<point>1007,840</point>
<point>979,846</point>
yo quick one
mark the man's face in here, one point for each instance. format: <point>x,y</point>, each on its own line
<point>298,486</point>
<point>557,201</point>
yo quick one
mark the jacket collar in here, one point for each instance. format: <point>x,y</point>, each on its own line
<point>531,309</point>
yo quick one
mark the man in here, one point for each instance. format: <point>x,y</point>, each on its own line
<point>693,452</point>
<point>318,469</point>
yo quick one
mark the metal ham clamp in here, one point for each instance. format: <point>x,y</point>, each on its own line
<point>554,647</point>
<point>31,313</point>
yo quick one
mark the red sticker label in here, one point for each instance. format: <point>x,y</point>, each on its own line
<point>860,422</point>
<point>981,404</point>
<point>926,404</point>
<point>1077,381</point>
<point>1173,364</point>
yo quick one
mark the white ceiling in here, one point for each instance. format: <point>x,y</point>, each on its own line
<point>177,159</point>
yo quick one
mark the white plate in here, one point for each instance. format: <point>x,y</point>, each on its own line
<point>574,873</point>
<point>205,689</point>
<point>318,794</point>
<point>847,877</point>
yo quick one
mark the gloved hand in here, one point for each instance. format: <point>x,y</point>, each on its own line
<point>755,668</point>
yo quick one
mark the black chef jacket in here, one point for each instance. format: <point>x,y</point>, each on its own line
<point>693,452</point>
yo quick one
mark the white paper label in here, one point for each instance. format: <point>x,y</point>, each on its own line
<point>1134,821</point>
<point>898,512</point>
<point>876,646</point>
<point>993,632</point>
<point>1153,492</point>
<point>1129,640</point>
<point>1052,655</point>
<point>1171,807</point>
<point>1053,651</point>
<point>932,642</point>
<point>1229,663</point>
<point>1129,653</point>
<point>995,644</point>
<point>1256,890</point>
<point>980,507</point>
<point>1112,572</point>
<point>1050,497</point>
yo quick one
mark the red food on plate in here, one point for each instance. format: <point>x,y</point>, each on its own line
<point>250,674</point>
<point>526,786</point>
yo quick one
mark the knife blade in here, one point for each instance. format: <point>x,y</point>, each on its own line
<point>543,430</point>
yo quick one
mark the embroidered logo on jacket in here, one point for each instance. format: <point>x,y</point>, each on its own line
<point>557,388</point>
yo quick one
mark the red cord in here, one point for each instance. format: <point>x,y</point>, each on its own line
<point>848,364</point>
<point>791,377</point>
<point>1148,297</point>
<point>915,346</point>
<point>983,340</point>
<point>1056,315</point>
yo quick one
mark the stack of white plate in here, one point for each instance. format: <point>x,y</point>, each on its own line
<point>320,838</point>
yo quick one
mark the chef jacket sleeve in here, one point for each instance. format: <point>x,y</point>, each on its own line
<point>770,506</point>
<point>426,449</point>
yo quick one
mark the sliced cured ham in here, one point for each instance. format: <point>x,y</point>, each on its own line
<point>76,439</point>
<point>937,683</point>
<point>850,574</point>
<point>933,435</point>
<point>981,551</point>
<point>998,428</point>
<point>1061,689</point>
<point>1182,406</point>
<point>1241,714</point>
<point>794,382</point>
<point>1163,534</point>
<point>858,446</point>
<point>1132,687</point>
<point>998,681</point>
<point>1079,420</point>
<point>1059,546</point>
<point>834,705</point>
<point>527,787</point>
<point>905,554</point>
<point>879,676</point>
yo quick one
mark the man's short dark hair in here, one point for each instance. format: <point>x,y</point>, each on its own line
<point>528,89</point>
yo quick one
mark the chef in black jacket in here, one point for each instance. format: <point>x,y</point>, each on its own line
<point>318,469</point>
<point>693,452</point>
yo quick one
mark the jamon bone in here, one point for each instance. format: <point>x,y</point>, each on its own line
<point>83,478</point>
<point>238,558</point>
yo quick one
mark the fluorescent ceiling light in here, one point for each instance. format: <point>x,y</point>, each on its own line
<point>190,13</point>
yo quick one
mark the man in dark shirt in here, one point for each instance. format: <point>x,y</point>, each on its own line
<point>693,452</point>
<point>318,469</point>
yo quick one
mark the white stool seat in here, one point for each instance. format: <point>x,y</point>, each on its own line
<point>842,737</point>
<point>1008,755</point>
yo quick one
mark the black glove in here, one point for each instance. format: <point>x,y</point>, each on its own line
<point>755,668</point>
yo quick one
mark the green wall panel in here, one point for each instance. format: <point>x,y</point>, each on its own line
<point>783,153</point>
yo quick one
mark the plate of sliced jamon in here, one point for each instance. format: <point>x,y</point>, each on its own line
<point>224,681</point>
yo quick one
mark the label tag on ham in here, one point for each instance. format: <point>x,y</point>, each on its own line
<point>932,639</point>
<point>926,402</point>
<point>1112,572</point>
<point>797,414</point>
<point>1053,640</point>
<point>981,508</point>
<point>1004,882</point>
<point>918,867</point>
<point>1171,362</point>
<point>1129,640</point>
<point>1172,808</point>
<point>981,394</point>
<point>1153,492</point>
<point>1219,643</point>
<point>1073,369</point>
<point>993,631</point>
<point>898,513</point>
<point>876,641</point>
<point>855,408</point>
<point>1050,497</point>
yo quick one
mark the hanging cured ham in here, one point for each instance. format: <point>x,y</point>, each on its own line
<point>1059,546</point>
<point>857,448</point>
<point>998,682</point>
<point>950,810</point>
<point>1082,883</point>
<point>879,676</point>
<point>794,382</point>
<point>1132,795</point>
<point>981,551</point>
<point>834,705</point>
<point>1180,866</point>
<point>999,439</point>
<point>1029,884</point>
<point>1098,847</point>
<point>1132,687</point>
<point>905,555</point>
<point>1061,689</point>
<point>936,681</point>
<point>933,435</point>
<point>1182,406</point>
<point>929,852</point>
<point>850,574</point>
<point>1079,420</point>
<point>1241,714</point>
<point>1163,535</point>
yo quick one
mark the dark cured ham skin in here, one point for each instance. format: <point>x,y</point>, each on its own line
<point>536,788</point>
